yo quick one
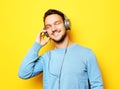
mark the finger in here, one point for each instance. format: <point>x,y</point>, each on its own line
<point>38,35</point>
<point>43,30</point>
<point>42,33</point>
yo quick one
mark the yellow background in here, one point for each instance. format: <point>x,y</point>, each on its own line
<point>94,24</point>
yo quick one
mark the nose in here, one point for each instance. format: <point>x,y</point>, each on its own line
<point>53,28</point>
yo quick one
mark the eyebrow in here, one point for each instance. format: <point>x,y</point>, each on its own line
<point>53,23</point>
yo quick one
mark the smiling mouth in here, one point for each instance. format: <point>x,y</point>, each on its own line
<point>56,33</point>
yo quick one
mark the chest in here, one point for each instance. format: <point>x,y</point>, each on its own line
<point>70,64</point>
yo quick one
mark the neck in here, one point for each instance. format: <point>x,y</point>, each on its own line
<point>64,44</point>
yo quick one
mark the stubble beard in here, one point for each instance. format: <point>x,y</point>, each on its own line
<point>61,39</point>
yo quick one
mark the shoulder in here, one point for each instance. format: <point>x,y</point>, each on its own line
<point>86,53</point>
<point>83,50</point>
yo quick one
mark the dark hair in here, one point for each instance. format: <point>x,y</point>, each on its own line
<point>53,11</point>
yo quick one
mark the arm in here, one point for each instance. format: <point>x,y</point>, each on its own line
<point>31,64</point>
<point>94,74</point>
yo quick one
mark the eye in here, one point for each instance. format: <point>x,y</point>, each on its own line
<point>47,27</point>
<point>57,22</point>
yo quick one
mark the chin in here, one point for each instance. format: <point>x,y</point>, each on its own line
<point>60,39</point>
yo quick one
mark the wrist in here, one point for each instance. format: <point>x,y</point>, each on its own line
<point>36,46</point>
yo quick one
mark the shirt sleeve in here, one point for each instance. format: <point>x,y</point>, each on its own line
<point>32,64</point>
<point>95,78</point>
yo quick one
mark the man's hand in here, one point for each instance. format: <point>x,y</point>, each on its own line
<point>41,38</point>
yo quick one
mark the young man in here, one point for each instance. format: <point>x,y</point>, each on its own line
<point>68,66</point>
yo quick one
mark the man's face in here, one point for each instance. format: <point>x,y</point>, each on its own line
<point>55,27</point>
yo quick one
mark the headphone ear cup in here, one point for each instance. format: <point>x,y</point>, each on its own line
<point>46,34</point>
<point>67,24</point>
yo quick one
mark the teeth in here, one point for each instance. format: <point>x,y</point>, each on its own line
<point>56,34</point>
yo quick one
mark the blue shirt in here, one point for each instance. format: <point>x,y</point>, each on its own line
<point>79,66</point>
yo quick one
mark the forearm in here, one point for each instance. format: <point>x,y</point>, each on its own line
<point>94,73</point>
<point>97,83</point>
<point>95,77</point>
<point>27,66</point>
